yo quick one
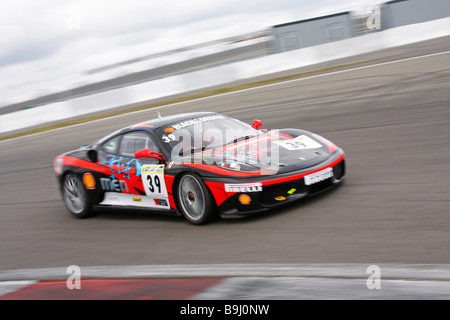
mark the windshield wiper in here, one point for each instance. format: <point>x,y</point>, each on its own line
<point>192,150</point>
<point>240,139</point>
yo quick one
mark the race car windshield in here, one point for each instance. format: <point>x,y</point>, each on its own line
<point>197,134</point>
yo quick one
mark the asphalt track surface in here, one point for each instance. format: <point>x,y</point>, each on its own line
<point>392,120</point>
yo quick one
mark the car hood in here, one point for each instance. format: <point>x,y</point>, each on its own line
<point>274,151</point>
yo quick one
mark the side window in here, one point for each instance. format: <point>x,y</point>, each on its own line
<point>112,145</point>
<point>135,141</point>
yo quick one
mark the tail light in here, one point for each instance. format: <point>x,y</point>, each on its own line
<point>57,165</point>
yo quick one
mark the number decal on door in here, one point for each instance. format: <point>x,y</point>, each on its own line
<point>153,180</point>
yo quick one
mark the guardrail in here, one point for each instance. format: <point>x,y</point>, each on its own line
<point>219,75</point>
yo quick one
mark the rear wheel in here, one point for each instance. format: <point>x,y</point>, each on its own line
<point>75,196</point>
<point>194,200</point>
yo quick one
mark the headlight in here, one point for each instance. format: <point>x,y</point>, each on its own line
<point>237,166</point>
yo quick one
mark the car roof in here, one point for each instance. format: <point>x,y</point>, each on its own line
<point>156,123</point>
<point>163,121</point>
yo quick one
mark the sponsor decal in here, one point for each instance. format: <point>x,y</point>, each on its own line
<point>112,198</point>
<point>122,166</point>
<point>191,122</point>
<point>169,130</point>
<point>280,198</point>
<point>124,199</point>
<point>161,202</point>
<point>153,169</point>
<point>292,191</point>
<point>113,185</point>
<point>318,176</point>
<point>245,199</point>
<point>170,164</point>
<point>243,187</point>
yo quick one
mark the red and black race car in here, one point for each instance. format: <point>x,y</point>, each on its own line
<point>199,165</point>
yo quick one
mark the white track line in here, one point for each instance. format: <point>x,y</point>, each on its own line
<point>233,92</point>
<point>298,288</point>
<point>435,272</point>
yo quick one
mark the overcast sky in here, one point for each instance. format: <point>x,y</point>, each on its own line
<point>46,45</point>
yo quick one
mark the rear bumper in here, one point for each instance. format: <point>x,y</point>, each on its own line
<point>277,190</point>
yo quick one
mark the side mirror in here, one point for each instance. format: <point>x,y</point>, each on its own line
<point>147,153</point>
<point>257,124</point>
<point>92,155</point>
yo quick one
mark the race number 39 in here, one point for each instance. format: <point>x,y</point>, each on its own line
<point>153,180</point>
<point>299,143</point>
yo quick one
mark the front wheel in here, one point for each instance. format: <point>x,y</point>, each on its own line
<point>75,197</point>
<point>194,200</point>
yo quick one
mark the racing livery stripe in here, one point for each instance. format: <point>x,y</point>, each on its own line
<point>301,175</point>
<point>285,135</point>
<point>172,201</point>
<point>242,144</point>
<point>226,172</point>
<point>75,162</point>
<point>169,185</point>
<point>255,140</point>
<point>217,188</point>
<point>218,191</point>
<point>169,182</point>
<point>220,195</point>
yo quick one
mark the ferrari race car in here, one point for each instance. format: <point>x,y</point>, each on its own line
<point>199,165</point>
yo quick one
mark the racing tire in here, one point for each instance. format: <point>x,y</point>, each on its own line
<point>76,198</point>
<point>195,200</point>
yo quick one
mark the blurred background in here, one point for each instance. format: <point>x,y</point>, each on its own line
<point>372,76</point>
<point>56,51</point>
<point>52,46</point>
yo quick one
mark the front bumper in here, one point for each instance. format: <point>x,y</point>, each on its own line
<point>282,189</point>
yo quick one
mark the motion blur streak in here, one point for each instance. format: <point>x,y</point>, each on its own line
<point>392,120</point>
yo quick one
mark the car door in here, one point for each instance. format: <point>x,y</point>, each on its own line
<point>133,181</point>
